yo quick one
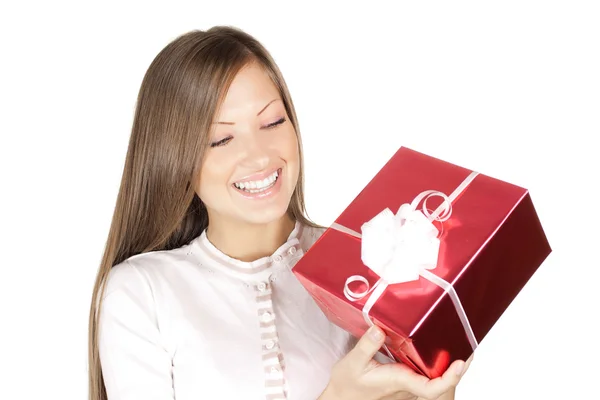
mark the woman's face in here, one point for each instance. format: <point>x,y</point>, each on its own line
<point>251,168</point>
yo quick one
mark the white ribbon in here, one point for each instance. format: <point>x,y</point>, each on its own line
<point>403,246</point>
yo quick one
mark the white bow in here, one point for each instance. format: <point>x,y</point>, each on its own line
<point>397,247</point>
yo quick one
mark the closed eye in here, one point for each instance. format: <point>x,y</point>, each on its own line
<point>221,142</point>
<point>273,124</point>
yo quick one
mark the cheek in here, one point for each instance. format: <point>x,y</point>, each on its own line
<point>290,146</point>
<point>292,157</point>
<point>210,176</point>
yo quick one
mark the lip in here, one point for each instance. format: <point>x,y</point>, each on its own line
<point>267,193</point>
<point>257,177</point>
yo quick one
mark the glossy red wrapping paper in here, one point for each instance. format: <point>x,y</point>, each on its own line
<point>490,247</point>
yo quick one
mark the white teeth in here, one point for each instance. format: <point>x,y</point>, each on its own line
<point>258,186</point>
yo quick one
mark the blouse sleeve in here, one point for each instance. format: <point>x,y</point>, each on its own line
<point>136,363</point>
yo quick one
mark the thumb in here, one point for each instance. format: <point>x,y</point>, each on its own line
<point>366,348</point>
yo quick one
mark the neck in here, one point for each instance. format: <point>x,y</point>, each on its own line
<point>249,242</point>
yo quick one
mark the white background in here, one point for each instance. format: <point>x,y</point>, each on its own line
<point>511,89</point>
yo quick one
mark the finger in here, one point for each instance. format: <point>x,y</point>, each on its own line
<point>467,365</point>
<point>366,347</point>
<point>422,386</point>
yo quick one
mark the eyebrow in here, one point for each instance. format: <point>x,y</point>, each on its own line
<point>260,112</point>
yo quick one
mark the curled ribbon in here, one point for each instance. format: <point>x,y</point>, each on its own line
<point>403,246</point>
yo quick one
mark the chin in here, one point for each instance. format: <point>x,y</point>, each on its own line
<point>266,216</point>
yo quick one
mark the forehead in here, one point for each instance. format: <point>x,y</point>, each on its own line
<point>250,89</point>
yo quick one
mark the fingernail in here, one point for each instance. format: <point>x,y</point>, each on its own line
<point>375,334</point>
<point>459,368</point>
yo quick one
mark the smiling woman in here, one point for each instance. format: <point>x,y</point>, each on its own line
<point>195,296</point>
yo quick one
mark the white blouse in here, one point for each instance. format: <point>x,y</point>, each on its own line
<point>192,323</point>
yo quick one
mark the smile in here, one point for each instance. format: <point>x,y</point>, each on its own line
<point>260,185</point>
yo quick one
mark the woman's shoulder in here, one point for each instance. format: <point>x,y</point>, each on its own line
<point>146,271</point>
<point>149,271</point>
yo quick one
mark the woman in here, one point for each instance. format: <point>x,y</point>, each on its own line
<point>195,291</point>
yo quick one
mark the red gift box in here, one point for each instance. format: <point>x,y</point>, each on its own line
<point>490,245</point>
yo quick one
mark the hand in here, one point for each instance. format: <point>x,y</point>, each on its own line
<point>359,376</point>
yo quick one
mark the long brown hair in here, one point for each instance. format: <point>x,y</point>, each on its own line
<point>156,207</point>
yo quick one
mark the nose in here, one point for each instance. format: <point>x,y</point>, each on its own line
<point>256,151</point>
